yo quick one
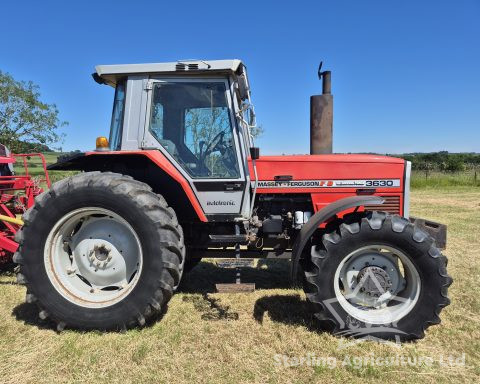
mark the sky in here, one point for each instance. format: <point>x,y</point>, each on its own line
<point>405,74</point>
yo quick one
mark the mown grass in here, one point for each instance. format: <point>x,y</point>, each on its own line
<point>205,337</point>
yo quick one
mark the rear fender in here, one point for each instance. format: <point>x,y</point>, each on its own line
<point>148,166</point>
<point>322,216</point>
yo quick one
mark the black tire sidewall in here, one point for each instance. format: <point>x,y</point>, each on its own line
<point>54,303</point>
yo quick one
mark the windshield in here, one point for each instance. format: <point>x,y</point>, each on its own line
<point>191,120</point>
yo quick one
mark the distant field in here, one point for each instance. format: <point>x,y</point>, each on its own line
<point>206,337</point>
<point>35,168</point>
<point>423,179</point>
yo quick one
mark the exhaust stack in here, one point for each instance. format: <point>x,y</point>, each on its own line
<point>321,116</point>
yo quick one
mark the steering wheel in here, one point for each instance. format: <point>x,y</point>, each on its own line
<point>215,144</point>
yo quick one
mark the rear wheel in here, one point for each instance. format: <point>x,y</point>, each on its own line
<point>100,251</point>
<point>378,277</point>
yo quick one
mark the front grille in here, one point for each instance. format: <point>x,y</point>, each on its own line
<point>391,205</point>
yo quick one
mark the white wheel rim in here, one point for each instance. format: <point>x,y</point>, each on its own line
<point>386,272</point>
<point>93,257</point>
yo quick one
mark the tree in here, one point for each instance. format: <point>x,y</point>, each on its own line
<point>26,123</point>
<point>257,131</point>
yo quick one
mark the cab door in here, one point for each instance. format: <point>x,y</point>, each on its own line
<point>191,121</point>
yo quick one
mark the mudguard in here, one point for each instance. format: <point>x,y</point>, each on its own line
<point>320,217</point>
<point>126,162</point>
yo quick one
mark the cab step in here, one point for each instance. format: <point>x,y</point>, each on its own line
<point>228,238</point>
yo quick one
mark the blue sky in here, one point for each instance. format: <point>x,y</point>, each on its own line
<point>406,74</point>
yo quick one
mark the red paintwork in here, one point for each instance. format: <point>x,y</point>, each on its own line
<point>17,194</point>
<point>6,160</point>
<point>158,158</point>
<point>301,167</point>
<point>331,167</point>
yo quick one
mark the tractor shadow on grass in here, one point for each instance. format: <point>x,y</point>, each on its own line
<point>28,314</point>
<point>287,309</point>
<point>267,274</point>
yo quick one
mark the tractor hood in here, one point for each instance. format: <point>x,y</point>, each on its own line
<point>320,172</point>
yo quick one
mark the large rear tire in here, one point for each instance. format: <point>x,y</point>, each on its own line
<point>376,276</point>
<point>100,251</point>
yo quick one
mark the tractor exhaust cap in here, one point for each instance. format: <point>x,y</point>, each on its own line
<point>321,116</point>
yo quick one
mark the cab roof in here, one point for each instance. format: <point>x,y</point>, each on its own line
<point>110,74</point>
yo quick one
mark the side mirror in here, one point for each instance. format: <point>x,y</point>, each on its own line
<point>254,153</point>
<point>242,87</point>
<point>251,118</point>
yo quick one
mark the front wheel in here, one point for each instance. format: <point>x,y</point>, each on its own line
<point>376,277</point>
<point>100,251</point>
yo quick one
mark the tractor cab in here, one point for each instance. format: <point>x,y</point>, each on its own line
<point>198,114</point>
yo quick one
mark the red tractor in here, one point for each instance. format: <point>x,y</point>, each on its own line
<point>180,179</point>
<point>17,194</point>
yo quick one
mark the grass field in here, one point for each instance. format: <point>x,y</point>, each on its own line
<point>206,337</point>
<point>35,168</point>
<point>437,179</point>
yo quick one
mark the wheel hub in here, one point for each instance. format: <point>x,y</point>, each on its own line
<point>101,252</point>
<point>374,281</point>
<point>99,256</point>
<point>371,278</point>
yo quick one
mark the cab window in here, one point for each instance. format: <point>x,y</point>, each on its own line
<point>191,120</point>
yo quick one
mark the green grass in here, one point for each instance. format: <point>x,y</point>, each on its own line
<point>436,179</point>
<point>35,168</point>
<point>205,337</point>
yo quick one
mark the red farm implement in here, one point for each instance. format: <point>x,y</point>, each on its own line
<point>17,194</point>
